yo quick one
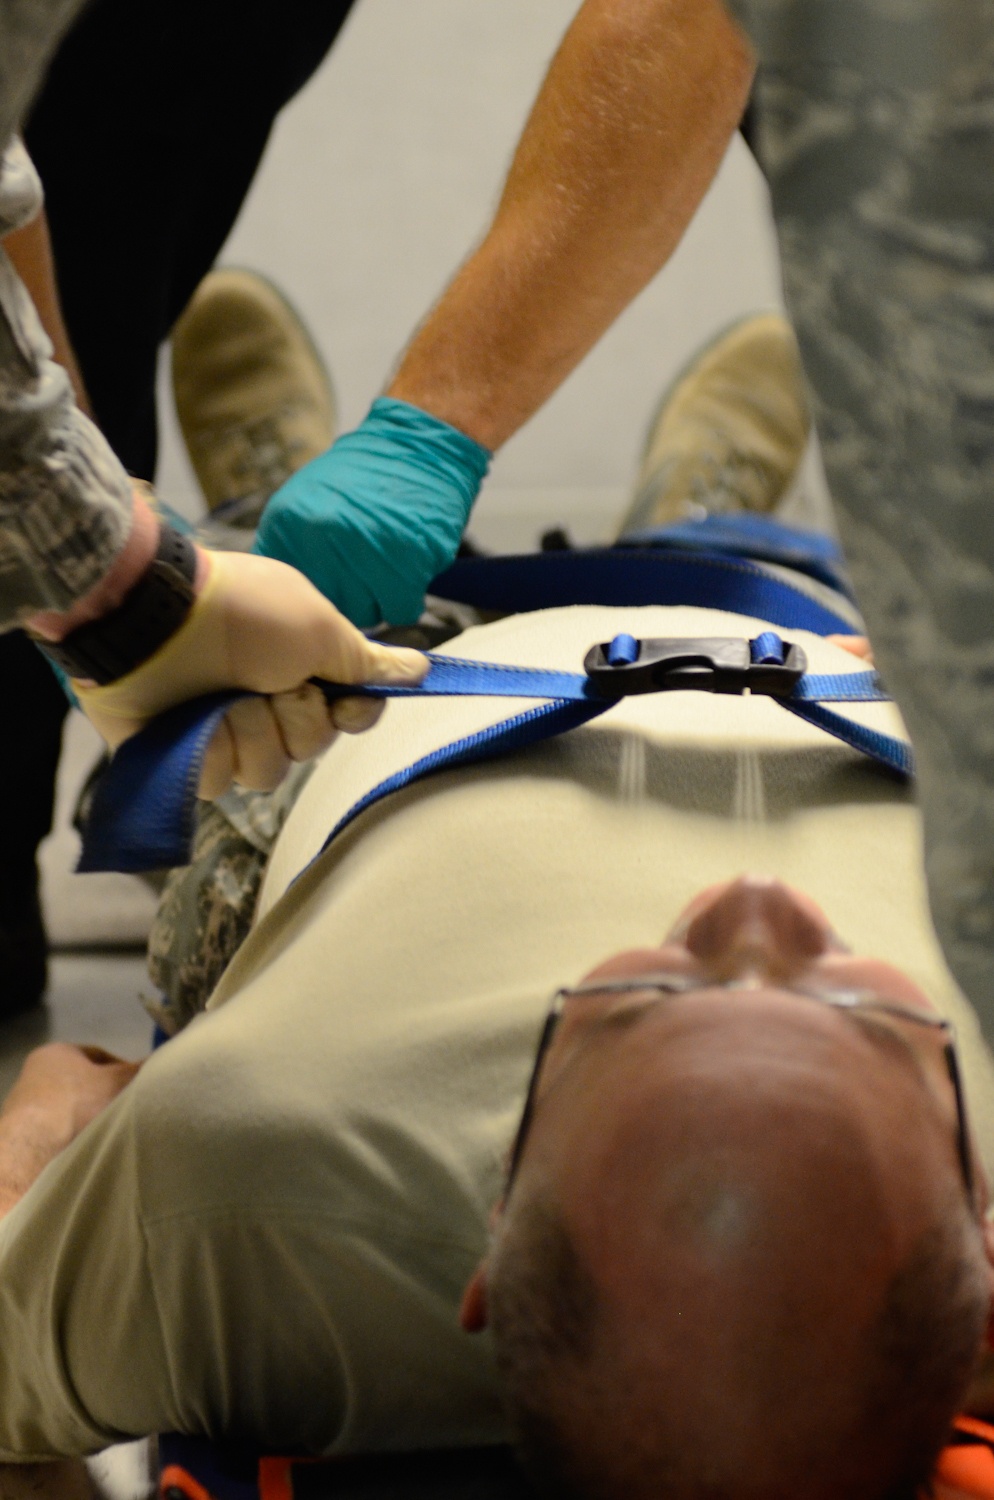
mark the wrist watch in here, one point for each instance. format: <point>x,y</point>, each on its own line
<point>110,647</point>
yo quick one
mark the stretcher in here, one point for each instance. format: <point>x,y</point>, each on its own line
<point>194,1469</point>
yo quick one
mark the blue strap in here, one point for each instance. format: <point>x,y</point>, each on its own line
<point>633,576</point>
<point>144,809</point>
<point>144,812</point>
<point>890,752</point>
<point>459,677</point>
<point>528,728</point>
<point>758,537</point>
<point>555,718</point>
<point>849,687</point>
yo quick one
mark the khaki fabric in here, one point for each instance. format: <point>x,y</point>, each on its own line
<point>268,1233</point>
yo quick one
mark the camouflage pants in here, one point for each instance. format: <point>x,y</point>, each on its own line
<point>206,907</point>
<point>876,129</point>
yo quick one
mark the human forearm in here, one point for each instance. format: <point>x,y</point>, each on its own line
<point>65,502</point>
<point>59,1091</point>
<point>627,133</point>
<point>30,251</point>
<point>65,1479</point>
<point>29,1140</point>
<point>624,140</point>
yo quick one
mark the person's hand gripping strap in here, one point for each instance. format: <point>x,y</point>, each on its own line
<point>256,626</point>
<point>376,518</point>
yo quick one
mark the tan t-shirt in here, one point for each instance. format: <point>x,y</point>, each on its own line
<point>269,1231</point>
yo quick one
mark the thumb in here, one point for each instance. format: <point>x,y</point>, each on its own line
<point>350,657</point>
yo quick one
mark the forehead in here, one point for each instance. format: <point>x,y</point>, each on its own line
<point>795,1099</point>
<point>763,1034</point>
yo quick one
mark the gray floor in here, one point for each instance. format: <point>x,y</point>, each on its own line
<point>378,179</point>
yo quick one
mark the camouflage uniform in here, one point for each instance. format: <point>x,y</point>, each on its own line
<point>876,130</point>
<point>65,501</point>
<point>207,906</point>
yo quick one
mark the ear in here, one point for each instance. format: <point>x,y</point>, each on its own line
<point>473,1308</point>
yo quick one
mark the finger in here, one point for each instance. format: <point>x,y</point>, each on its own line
<point>397,665</point>
<point>218,770</point>
<point>119,1069</point>
<point>355,715</point>
<point>352,658</point>
<point>100,1055</point>
<point>304,720</point>
<point>261,761</point>
<point>856,645</point>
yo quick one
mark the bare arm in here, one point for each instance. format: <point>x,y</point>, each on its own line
<point>30,251</point>
<point>624,140</point>
<point>65,1479</point>
<point>60,1089</point>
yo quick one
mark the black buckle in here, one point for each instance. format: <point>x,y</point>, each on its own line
<point>712,664</point>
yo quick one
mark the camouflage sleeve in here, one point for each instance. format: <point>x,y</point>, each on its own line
<point>876,130</point>
<point>65,501</point>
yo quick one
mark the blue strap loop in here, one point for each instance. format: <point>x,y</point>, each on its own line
<point>634,576</point>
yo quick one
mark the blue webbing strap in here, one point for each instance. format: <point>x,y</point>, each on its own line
<point>143,817</point>
<point>633,576</point>
<point>528,728</point>
<point>890,752</point>
<point>459,677</point>
<point>852,687</point>
<point>555,718</point>
<point>761,538</point>
<point>144,810</point>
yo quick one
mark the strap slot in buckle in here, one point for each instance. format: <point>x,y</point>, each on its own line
<point>707,664</point>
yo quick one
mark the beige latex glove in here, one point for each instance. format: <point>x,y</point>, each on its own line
<point>260,625</point>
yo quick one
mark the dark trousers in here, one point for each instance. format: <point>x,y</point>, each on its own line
<point>147,135</point>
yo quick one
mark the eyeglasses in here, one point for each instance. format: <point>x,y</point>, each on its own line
<point>665,986</point>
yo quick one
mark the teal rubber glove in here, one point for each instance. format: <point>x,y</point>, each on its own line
<point>376,518</point>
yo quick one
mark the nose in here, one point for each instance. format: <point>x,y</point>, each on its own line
<point>759,929</point>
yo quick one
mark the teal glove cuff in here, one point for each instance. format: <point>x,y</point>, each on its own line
<point>376,518</point>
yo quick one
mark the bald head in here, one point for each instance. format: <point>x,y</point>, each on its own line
<point>738,1260</point>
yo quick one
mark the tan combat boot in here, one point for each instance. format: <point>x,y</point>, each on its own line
<point>730,432</point>
<point>253,398</point>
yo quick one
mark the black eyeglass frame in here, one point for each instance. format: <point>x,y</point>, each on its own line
<point>666,986</point>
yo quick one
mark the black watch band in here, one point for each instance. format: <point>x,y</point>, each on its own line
<point>114,645</point>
